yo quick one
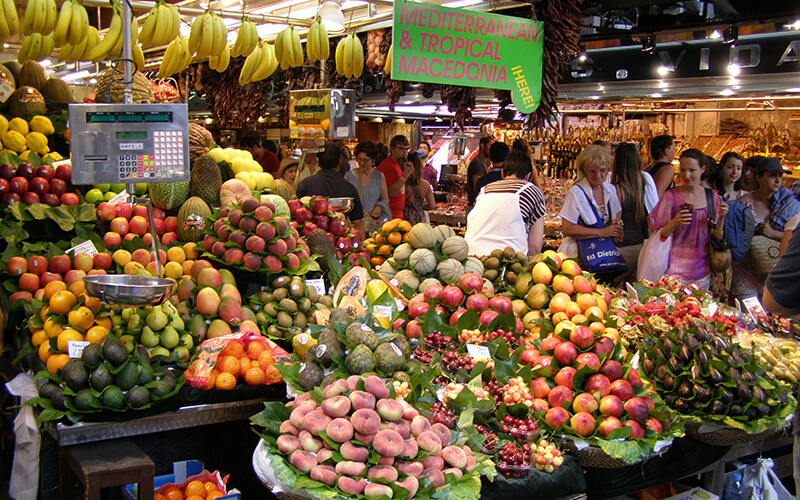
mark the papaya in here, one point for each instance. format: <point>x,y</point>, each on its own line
<point>353,284</point>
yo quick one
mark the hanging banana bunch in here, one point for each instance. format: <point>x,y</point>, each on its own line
<point>288,49</point>
<point>387,67</point>
<point>246,39</point>
<point>9,22</point>
<point>350,57</point>
<point>161,26</point>
<point>109,41</point>
<point>35,47</point>
<point>72,25</point>
<point>138,57</point>
<point>176,58</point>
<point>40,17</point>
<point>220,63</point>
<point>208,36</point>
<point>317,45</point>
<point>260,64</point>
<point>73,53</point>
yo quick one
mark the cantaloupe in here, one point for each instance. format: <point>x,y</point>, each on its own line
<point>456,248</point>
<point>422,235</point>
<point>423,261</point>
<point>449,270</point>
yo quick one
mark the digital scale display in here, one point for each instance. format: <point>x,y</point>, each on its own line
<point>127,135</point>
<point>128,117</point>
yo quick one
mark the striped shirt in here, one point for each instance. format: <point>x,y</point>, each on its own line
<point>531,200</point>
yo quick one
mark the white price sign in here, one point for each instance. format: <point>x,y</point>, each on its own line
<point>318,284</point>
<point>86,247</point>
<point>5,91</point>
<point>75,348</point>
<point>120,197</point>
<point>478,351</point>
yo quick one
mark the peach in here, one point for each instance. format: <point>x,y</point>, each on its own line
<point>401,426</point>
<point>633,378</point>
<point>365,421</point>
<point>556,417</point>
<point>637,431</point>
<point>409,412</point>
<point>388,443</point>
<point>654,425</point>
<point>540,404</point>
<point>589,359</point>
<point>540,388</point>
<point>637,408</point>
<point>350,486</point>
<point>337,406</point>
<point>435,475</point>
<point>364,438</point>
<point>413,469</point>
<point>584,402</point>
<point>582,337</point>
<point>563,283</point>
<point>308,442</point>
<point>454,471</point>
<point>443,432</point>
<point>288,443</point>
<point>385,472</point>
<point>353,453</point>
<point>390,409</point>
<point>454,456</point>
<point>339,430</point>
<point>419,425</point>
<point>336,388</point>
<point>303,460</point>
<point>386,461</point>
<point>603,346</point>
<point>608,425</point>
<point>564,378</point>
<point>352,382</point>
<point>324,455</point>
<point>565,353</point>
<point>352,469</point>
<point>324,474</point>
<point>611,369</point>
<point>288,428</point>
<point>611,405</point>
<point>430,441</point>
<point>375,386</point>
<point>374,490</point>
<point>622,389</point>
<point>297,416</point>
<point>411,484</point>
<point>470,459</point>
<point>598,383</point>
<point>361,400</point>
<point>433,462</point>
<point>410,449</point>
<point>583,424</point>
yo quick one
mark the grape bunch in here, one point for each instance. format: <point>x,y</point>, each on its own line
<point>514,460</point>
<point>490,439</point>
<point>520,429</point>
<point>441,414</point>
<point>546,456</point>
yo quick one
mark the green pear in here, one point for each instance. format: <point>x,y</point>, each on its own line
<point>129,341</point>
<point>127,313</point>
<point>159,351</point>
<point>180,355</point>
<point>169,337</point>
<point>176,322</point>
<point>149,338</point>
<point>157,320</point>
<point>135,324</point>
<point>187,340</point>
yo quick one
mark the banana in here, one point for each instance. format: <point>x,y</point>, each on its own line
<point>251,63</point>
<point>92,39</point>
<point>220,63</point>
<point>138,58</point>
<point>273,63</point>
<point>65,52</point>
<point>22,55</point>
<point>323,44</point>
<point>240,38</point>
<point>279,45</point>
<point>173,22</point>
<point>48,44</point>
<point>288,57</point>
<point>185,53</point>
<point>220,36</point>
<point>99,51</point>
<point>311,41</point>
<point>243,45</point>
<point>297,49</point>
<point>64,23</point>
<point>340,48</point>
<point>167,61</point>
<point>253,37</point>
<point>162,26</point>
<point>29,18</point>
<point>12,19</point>
<point>358,57</point>
<point>387,67</point>
<point>194,34</point>
<point>52,17</point>
<point>206,36</point>
<point>348,58</point>
<point>40,23</point>
<point>76,51</point>
<point>5,32</point>
<point>264,64</point>
<point>148,28</point>
<point>77,26</point>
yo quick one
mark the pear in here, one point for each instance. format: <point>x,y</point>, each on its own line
<point>149,338</point>
<point>157,320</point>
<point>176,322</point>
<point>169,337</point>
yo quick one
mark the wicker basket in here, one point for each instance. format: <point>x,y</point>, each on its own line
<point>594,456</point>
<point>731,436</point>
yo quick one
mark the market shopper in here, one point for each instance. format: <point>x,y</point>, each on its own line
<point>309,166</point>
<point>284,184</point>
<point>328,182</point>
<point>428,172</point>
<point>683,214</point>
<point>497,153</point>
<point>419,195</point>
<point>749,179</point>
<point>728,176</point>
<point>638,196</point>
<point>395,175</point>
<point>371,187</point>
<point>509,212</point>
<point>251,141</point>
<point>773,206</point>
<point>662,150</point>
<point>523,146</point>
<point>477,168</point>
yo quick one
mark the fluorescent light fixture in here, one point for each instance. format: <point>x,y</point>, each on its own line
<point>45,63</point>
<point>331,15</point>
<point>77,75</point>
<point>461,3</point>
<point>276,6</point>
<point>656,94</point>
<point>715,35</point>
<point>793,26</point>
<point>727,92</point>
<point>92,81</point>
<point>734,69</point>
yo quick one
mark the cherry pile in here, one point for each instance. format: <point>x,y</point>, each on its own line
<point>546,456</point>
<point>519,429</point>
<point>509,337</point>
<point>441,414</point>
<point>514,460</point>
<point>453,362</point>
<point>517,391</point>
<point>432,343</point>
<point>494,388</point>
<point>490,442</point>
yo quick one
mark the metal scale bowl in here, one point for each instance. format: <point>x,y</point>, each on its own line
<point>342,205</point>
<point>129,290</point>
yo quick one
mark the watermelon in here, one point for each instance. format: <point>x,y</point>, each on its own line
<point>281,207</point>
<point>193,219</point>
<point>168,195</point>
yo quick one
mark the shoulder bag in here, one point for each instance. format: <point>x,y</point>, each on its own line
<point>719,252</point>
<point>599,255</point>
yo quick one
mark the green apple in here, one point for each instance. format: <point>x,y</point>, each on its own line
<point>140,188</point>
<point>102,187</point>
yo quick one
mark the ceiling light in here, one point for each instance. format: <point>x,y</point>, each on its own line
<point>664,70</point>
<point>793,26</point>
<point>715,34</point>
<point>92,81</point>
<point>734,69</point>
<point>461,3</point>
<point>730,35</point>
<point>648,43</point>
<point>727,92</point>
<point>331,15</point>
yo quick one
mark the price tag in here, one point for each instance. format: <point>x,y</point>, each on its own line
<point>396,349</point>
<point>478,351</point>
<point>86,247</point>
<point>75,348</point>
<point>632,293</point>
<point>382,311</point>
<point>318,284</point>
<point>5,91</point>
<point>120,197</point>
<point>343,131</point>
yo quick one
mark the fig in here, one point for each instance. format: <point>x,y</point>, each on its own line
<point>685,354</point>
<point>727,397</point>
<point>649,366</point>
<point>717,407</point>
<point>702,357</point>
<point>715,376</point>
<point>744,392</point>
<point>669,382</point>
<point>691,342</point>
<point>695,372</point>
<point>735,411</point>
<point>681,406</point>
<point>685,390</point>
<point>701,393</point>
<point>747,376</point>
<point>661,373</point>
<point>698,406</point>
<point>674,365</point>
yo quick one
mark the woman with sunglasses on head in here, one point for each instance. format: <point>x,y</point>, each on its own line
<point>371,186</point>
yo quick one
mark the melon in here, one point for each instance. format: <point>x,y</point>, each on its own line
<point>422,235</point>
<point>455,247</point>
<point>32,74</point>
<point>402,253</point>
<point>473,265</point>
<point>428,282</point>
<point>408,278</point>
<point>283,189</point>
<point>443,232</point>
<point>233,191</point>
<point>200,141</point>
<point>449,270</point>
<point>387,270</point>
<point>281,207</point>
<point>193,219</point>
<point>353,284</point>
<point>168,195</point>
<point>423,261</point>
<point>56,91</point>
<point>26,101</point>
<point>488,286</point>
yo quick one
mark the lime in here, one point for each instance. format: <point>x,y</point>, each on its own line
<point>116,188</point>
<point>102,187</point>
<point>93,196</point>
<point>109,195</point>
<point>140,188</point>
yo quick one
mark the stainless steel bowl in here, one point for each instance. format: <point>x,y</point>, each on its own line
<point>343,205</point>
<point>129,290</point>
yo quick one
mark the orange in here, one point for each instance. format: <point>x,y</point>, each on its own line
<point>273,376</point>
<point>406,236</point>
<point>52,328</point>
<point>377,260</point>
<point>44,351</point>
<point>395,238</point>
<point>385,250</point>
<point>210,486</point>
<point>215,494</point>
<point>96,334</point>
<point>245,364</point>
<point>255,376</point>
<point>45,311</point>
<point>389,225</point>
<point>233,348</point>
<point>77,287</point>
<point>254,350</point>
<point>404,225</point>
<point>51,288</point>
<point>370,247</point>
<point>195,497</point>
<point>61,302</point>
<point>38,337</point>
<point>228,364</point>
<point>81,318</point>
<point>225,381</point>
<point>212,377</point>
<point>103,321</point>
<point>173,494</point>
<point>195,488</point>
<point>56,362</point>
<point>159,496</point>
<point>92,303</point>
<point>379,239</point>
<point>66,336</point>
<point>265,360</point>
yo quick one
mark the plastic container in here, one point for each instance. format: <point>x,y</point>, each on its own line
<point>513,471</point>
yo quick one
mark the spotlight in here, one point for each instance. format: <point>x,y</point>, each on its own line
<point>734,69</point>
<point>580,54</point>
<point>714,35</point>
<point>648,43</point>
<point>730,35</point>
<point>664,70</point>
<point>331,15</point>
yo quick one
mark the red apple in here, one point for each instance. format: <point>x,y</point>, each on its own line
<point>106,211</point>
<point>30,198</point>
<point>39,185</point>
<point>46,171</point>
<point>565,353</point>
<point>10,198</point>
<point>582,337</point>
<point>583,424</point>
<point>64,172</point>
<point>27,170</point>
<point>58,186</point>
<point>69,198</point>
<point>19,185</point>
<point>611,405</point>
<point>637,431</point>
<point>8,171</point>
<point>51,199</point>
<point>124,210</point>
<point>112,239</point>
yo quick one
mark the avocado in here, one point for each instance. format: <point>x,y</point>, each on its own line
<point>76,376</point>
<point>58,399</point>
<point>143,353</point>
<point>85,400</point>
<point>146,374</point>
<point>112,397</point>
<point>48,389</point>
<point>101,378</point>
<point>114,351</point>
<point>137,397</point>
<point>159,389</point>
<point>171,380</point>
<point>127,377</point>
<point>91,355</point>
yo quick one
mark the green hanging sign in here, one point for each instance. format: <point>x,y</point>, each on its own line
<point>437,44</point>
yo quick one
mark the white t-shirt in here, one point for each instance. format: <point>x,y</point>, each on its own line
<point>792,224</point>
<point>576,206</point>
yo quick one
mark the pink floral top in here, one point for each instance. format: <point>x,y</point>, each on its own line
<point>689,255</point>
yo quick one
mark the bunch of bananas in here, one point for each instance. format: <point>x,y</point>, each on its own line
<point>110,47</point>
<point>350,57</point>
<point>246,39</point>
<point>9,22</point>
<point>208,36</point>
<point>317,42</point>
<point>176,58</point>
<point>73,53</point>
<point>387,68</point>
<point>73,24</point>
<point>220,63</point>
<point>288,49</point>
<point>161,26</point>
<point>40,17</point>
<point>260,64</point>
<point>35,47</point>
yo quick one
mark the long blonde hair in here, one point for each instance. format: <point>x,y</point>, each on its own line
<point>627,177</point>
<point>591,155</point>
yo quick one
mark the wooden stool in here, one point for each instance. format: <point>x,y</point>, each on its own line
<point>105,464</point>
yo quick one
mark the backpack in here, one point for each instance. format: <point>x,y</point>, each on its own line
<point>739,228</point>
